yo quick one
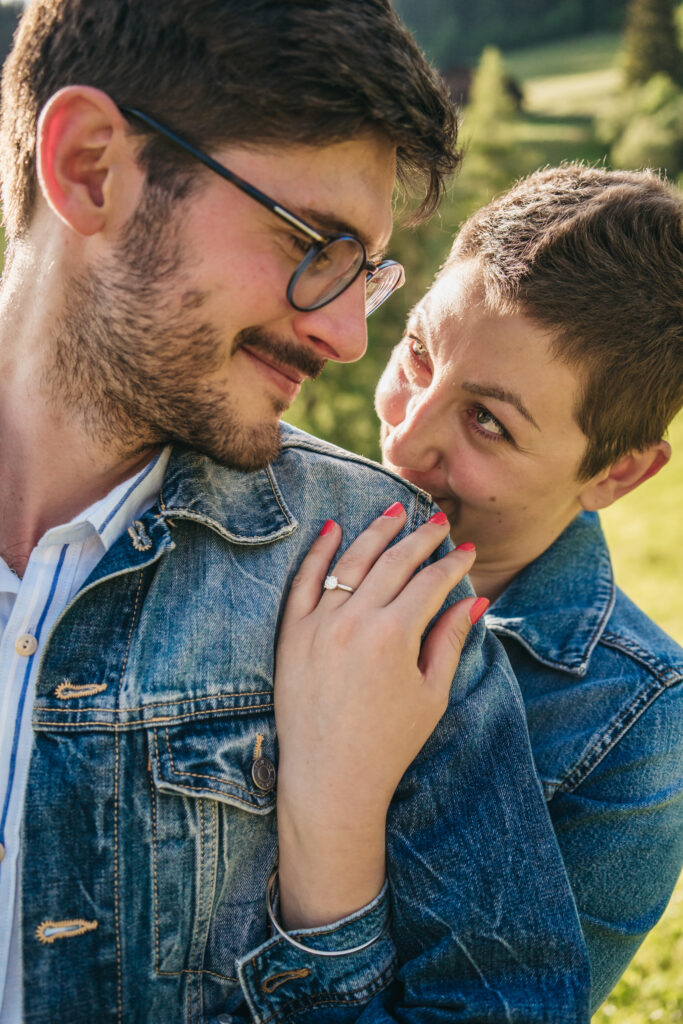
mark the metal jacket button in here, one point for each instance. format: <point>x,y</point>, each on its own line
<point>26,645</point>
<point>263,773</point>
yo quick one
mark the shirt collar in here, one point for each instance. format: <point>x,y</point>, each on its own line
<point>108,517</point>
<point>557,607</point>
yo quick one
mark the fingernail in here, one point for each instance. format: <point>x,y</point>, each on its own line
<point>439,518</point>
<point>327,526</point>
<point>467,546</point>
<point>478,609</point>
<point>394,510</point>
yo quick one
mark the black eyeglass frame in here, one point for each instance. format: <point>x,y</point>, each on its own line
<point>318,240</point>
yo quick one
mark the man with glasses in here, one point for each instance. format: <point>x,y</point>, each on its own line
<point>158,318</point>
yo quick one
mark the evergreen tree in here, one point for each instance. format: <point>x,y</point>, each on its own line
<point>652,42</point>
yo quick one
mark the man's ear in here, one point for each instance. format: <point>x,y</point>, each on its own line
<point>625,475</point>
<point>85,161</point>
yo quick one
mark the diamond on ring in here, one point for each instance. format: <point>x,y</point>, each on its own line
<point>332,583</point>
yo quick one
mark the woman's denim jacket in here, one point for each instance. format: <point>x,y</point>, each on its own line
<point>148,837</point>
<point>603,688</point>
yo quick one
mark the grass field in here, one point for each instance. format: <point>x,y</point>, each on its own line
<point>565,85</point>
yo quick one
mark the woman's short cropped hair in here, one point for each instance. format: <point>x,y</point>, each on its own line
<point>217,71</point>
<point>596,257</point>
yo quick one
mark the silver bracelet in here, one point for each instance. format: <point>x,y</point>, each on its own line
<point>300,945</point>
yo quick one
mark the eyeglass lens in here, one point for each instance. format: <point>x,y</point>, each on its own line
<point>324,273</point>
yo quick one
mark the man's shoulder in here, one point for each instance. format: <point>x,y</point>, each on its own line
<point>308,465</point>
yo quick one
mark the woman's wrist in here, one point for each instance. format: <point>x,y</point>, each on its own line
<point>327,870</point>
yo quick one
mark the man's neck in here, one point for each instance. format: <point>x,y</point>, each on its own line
<point>51,468</point>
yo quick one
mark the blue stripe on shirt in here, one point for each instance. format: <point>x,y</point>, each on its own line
<point>24,691</point>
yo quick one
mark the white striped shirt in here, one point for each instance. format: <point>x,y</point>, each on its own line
<point>29,607</point>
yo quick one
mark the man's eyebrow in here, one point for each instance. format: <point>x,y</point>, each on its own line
<point>330,224</point>
<point>511,397</point>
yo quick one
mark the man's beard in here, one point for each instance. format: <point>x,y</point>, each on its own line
<point>140,376</point>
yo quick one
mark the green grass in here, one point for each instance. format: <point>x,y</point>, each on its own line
<point>568,57</point>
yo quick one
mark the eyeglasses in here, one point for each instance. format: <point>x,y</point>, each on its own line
<point>331,264</point>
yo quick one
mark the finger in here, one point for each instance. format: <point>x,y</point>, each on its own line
<point>441,650</point>
<point>306,587</point>
<point>354,565</point>
<point>379,571</point>
<point>423,595</point>
<point>397,566</point>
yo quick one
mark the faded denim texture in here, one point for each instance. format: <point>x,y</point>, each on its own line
<point>142,821</point>
<point>603,691</point>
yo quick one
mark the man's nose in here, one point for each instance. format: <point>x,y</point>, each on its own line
<point>338,330</point>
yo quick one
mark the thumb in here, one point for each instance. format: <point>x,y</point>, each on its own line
<point>440,654</point>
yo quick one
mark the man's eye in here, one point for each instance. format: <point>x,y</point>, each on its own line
<point>299,245</point>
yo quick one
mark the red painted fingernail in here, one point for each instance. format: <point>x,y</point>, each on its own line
<point>394,510</point>
<point>327,526</point>
<point>478,609</point>
<point>467,546</point>
<point>439,518</point>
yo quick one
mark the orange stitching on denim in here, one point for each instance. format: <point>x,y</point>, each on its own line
<point>201,775</point>
<point>117,919</point>
<point>258,746</point>
<point>119,993</point>
<point>130,632</point>
<point>155,881</point>
<point>187,700</point>
<point>275,980</point>
<point>67,691</point>
<point>186,716</point>
<point>63,929</point>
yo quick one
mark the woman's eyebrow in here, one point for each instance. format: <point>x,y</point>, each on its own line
<point>511,397</point>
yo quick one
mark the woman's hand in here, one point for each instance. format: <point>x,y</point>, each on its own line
<point>356,698</point>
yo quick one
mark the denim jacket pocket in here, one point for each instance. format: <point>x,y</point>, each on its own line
<point>214,840</point>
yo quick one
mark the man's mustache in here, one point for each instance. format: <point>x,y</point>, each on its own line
<point>281,351</point>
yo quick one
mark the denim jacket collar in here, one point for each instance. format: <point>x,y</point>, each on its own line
<point>558,606</point>
<point>245,508</point>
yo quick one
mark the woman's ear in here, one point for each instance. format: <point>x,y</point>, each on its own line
<point>85,160</point>
<point>624,476</point>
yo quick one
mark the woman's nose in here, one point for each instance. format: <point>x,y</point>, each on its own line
<point>416,442</point>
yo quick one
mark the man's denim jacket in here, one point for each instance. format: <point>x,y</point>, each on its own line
<point>603,688</point>
<point>148,839</point>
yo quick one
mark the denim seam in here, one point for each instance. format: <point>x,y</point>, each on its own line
<point>199,775</point>
<point>117,919</point>
<point>618,729</point>
<point>362,994</point>
<point>155,876</point>
<point>166,703</point>
<point>187,716</point>
<point>278,497</point>
<point>667,674</point>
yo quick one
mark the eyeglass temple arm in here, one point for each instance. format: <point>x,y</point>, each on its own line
<point>226,174</point>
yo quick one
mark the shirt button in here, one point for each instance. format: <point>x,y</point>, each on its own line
<point>26,645</point>
<point>2,852</point>
<point>263,773</point>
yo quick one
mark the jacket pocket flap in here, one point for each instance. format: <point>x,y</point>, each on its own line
<point>231,759</point>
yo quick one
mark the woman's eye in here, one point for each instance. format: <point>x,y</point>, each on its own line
<point>486,424</point>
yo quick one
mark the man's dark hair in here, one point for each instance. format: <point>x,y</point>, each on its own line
<point>216,71</point>
<point>596,257</point>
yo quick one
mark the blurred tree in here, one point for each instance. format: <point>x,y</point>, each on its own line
<point>651,42</point>
<point>455,31</point>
